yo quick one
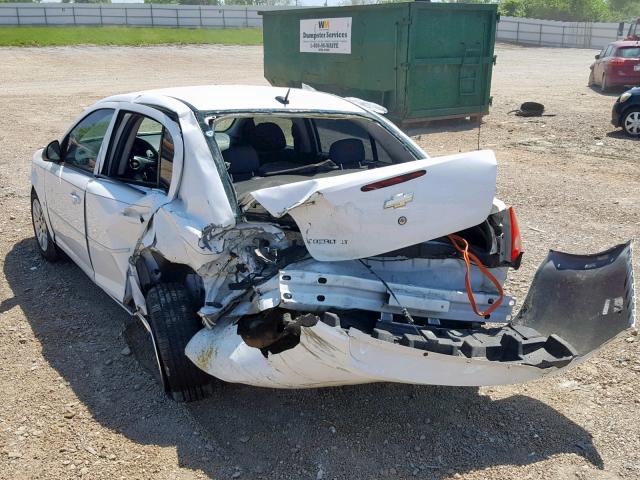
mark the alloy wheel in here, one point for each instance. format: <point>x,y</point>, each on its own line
<point>632,123</point>
<point>40,225</point>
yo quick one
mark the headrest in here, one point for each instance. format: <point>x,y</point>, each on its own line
<point>242,159</point>
<point>268,137</point>
<point>347,152</point>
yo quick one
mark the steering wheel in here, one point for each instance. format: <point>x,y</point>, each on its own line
<point>143,161</point>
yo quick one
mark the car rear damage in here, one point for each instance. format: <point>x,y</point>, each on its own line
<point>300,318</point>
<point>575,305</point>
<point>391,273</point>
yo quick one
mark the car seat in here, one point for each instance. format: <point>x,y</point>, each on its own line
<point>243,162</point>
<point>269,141</point>
<point>347,153</point>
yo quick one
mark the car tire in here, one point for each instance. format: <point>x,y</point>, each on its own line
<point>44,241</point>
<point>592,81</point>
<point>631,122</point>
<point>173,322</point>
<point>604,86</point>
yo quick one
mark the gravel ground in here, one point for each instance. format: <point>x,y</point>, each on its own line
<point>77,403</point>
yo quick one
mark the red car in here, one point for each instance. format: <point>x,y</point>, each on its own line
<point>618,65</point>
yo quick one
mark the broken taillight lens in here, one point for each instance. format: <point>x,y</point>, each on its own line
<point>392,181</point>
<point>516,238</point>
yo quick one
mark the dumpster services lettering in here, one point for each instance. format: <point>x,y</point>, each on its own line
<point>325,35</point>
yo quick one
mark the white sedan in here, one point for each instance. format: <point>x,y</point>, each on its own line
<point>292,238</point>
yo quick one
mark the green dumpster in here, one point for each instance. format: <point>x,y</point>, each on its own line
<point>421,61</point>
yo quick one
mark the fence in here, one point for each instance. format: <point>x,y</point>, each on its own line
<point>141,15</point>
<point>526,31</point>
<point>529,31</point>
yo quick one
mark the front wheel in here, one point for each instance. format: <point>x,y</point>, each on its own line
<point>46,246</point>
<point>631,123</point>
<point>604,86</point>
<point>592,81</point>
<point>173,322</point>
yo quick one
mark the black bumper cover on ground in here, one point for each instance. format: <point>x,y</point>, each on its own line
<point>587,300</point>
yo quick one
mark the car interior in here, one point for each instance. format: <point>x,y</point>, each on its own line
<point>142,153</point>
<point>266,151</point>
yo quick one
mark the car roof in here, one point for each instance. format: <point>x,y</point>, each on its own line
<point>245,97</point>
<point>626,43</point>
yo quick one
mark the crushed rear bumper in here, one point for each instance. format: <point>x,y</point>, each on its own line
<point>576,304</point>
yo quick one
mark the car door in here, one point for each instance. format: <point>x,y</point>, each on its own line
<point>134,181</point>
<point>66,182</point>
<point>601,63</point>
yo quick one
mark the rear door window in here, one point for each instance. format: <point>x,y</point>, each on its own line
<point>143,152</point>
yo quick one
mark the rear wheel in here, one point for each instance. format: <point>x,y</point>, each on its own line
<point>604,86</point>
<point>591,81</point>
<point>44,241</point>
<point>631,123</point>
<point>173,322</point>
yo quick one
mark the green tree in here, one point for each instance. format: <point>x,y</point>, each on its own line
<point>512,8</point>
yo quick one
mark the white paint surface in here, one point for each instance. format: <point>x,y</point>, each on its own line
<point>338,221</point>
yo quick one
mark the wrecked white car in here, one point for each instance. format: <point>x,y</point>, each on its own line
<point>298,239</point>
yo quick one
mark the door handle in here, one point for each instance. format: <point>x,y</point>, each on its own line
<point>131,212</point>
<point>75,198</point>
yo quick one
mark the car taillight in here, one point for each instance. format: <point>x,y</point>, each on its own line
<point>392,181</point>
<point>516,239</point>
<point>617,62</point>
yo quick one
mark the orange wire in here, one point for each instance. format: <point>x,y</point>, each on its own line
<point>462,246</point>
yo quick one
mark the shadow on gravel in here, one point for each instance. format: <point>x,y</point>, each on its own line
<point>611,92</point>
<point>368,431</point>
<point>621,135</point>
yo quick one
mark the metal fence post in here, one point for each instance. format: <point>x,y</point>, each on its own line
<point>177,21</point>
<point>540,36</point>
<point>563,27</point>
<point>246,16</point>
<point>200,13</point>
<point>126,16</point>
<point>100,10</point>
<point>46,19</point>
<point>224,23</point>
<point>517,32</point>
<point>73,10</point>
<point>18,15</point>
<point>153,24</point>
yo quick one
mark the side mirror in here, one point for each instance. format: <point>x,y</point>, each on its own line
<point>598,57</point>
<point>52,153</point>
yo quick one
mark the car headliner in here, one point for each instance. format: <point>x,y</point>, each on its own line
<point>244,97</point>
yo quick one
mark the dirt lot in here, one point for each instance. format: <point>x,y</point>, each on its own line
<point>75,403</point>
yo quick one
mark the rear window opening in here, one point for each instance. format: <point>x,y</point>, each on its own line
<point>263,151</point>
<point>629,52</point>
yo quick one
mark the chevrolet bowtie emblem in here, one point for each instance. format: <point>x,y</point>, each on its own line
<point>398,200</point>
